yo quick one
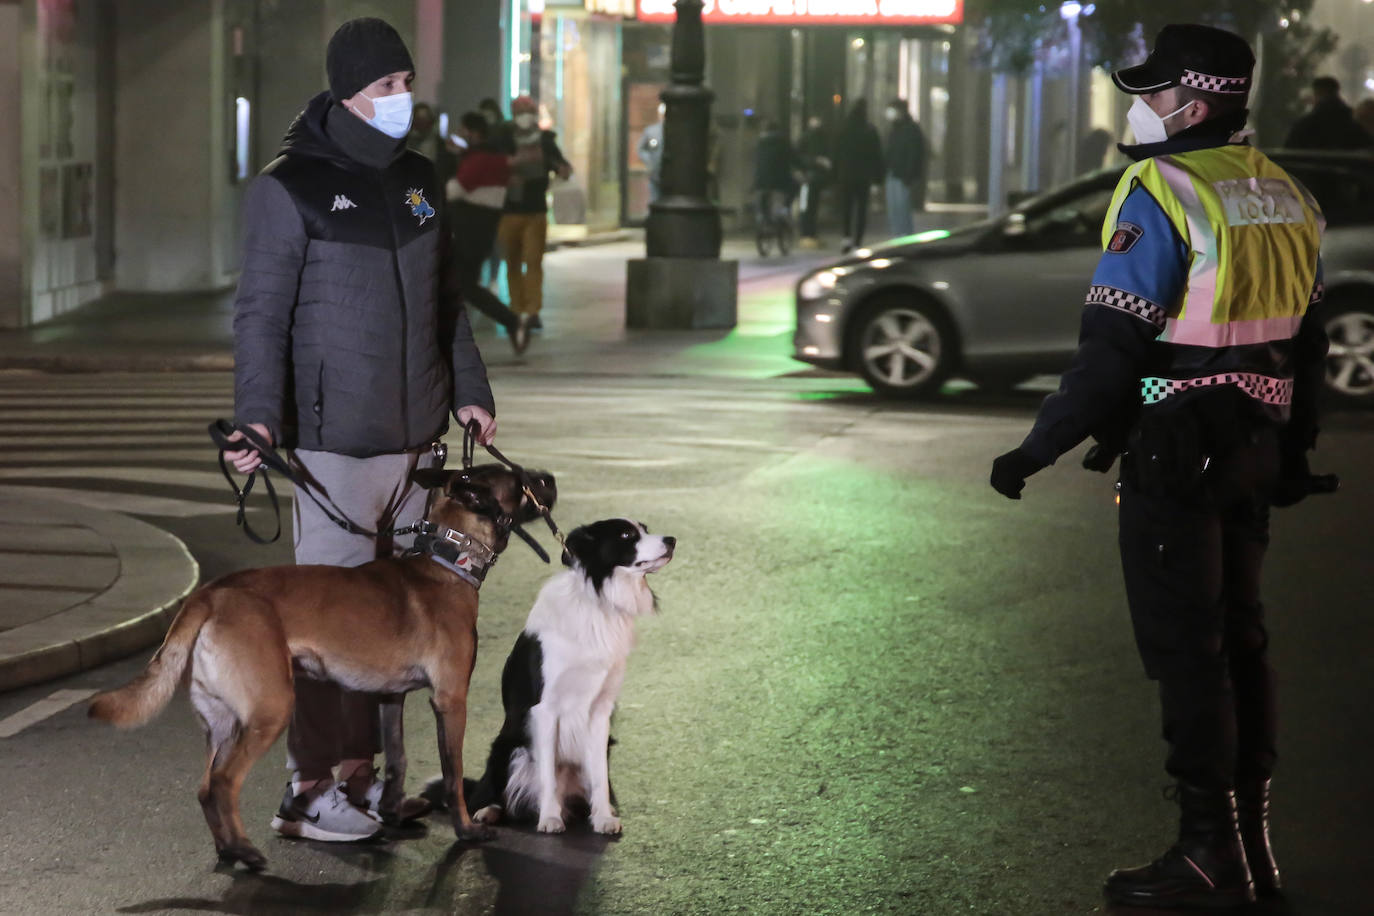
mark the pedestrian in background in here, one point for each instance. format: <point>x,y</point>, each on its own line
<point>476,202</point>
<point>425,139</point>
<point>490,109</point>
<point>1201,356</point>
<point>906,168</point>
<point>858,167</point>
<point>1364,115</point>
<point>348,351</point>
<point>650,151</point>
<point>775,171</point>
<point>525,222</point>
<point>815,153</point>
<point>1330,124</point>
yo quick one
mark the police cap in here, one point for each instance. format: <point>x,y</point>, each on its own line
<point>1200,56</point>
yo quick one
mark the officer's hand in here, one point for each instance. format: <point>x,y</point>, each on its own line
<point>1100,458</point>
<point>1009,472</point>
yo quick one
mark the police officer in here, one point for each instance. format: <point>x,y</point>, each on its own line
<point>1200,358</point>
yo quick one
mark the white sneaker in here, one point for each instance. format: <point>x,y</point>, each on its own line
<point>323,813</point>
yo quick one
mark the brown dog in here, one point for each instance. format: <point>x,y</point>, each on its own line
<point>386,627</point>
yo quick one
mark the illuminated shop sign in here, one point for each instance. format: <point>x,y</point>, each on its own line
<point>815,12</point>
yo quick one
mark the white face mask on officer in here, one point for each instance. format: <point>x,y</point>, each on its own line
<point>525,120</point>
<point>1146,124</point>
<point>391,114</point>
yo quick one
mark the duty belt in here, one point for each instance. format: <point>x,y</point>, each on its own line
<point>1263,388</point>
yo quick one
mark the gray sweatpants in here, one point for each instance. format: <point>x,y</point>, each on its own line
<point>331,724</point>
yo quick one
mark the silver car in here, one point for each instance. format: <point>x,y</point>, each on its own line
<point>999,301</point>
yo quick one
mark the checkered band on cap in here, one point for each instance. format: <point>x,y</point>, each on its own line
<point>1226,85</point>
<point>1138,306</point>
<point>1263,388</point>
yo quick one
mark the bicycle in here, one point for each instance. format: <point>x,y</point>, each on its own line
<point>773,223</point>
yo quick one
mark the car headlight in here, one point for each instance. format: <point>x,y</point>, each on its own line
<point>817,285</point>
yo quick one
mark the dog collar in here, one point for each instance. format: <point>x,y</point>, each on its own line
<point>458,552</point>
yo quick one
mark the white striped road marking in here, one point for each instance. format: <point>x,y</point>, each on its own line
<point>201,480</point>
<point>50,705</point>
<point>136,504</point>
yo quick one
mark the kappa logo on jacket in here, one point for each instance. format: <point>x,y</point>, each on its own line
<point>419,207</point>
<point>341,202</point>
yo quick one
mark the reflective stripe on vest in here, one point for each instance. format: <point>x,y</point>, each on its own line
<point>1253,233</point>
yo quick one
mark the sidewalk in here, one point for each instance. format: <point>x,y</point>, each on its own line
<point>79,587</point>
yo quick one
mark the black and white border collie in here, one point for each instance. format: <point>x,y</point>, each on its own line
<point>562,679</point>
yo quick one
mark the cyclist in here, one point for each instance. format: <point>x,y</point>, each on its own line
<point>775,181</point>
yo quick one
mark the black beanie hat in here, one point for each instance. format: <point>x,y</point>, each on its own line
<point>361,52</point>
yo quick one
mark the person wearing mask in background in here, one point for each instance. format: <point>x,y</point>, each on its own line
<point>477,194</point>
<point>524,224</point>
<point>351,348</point>
<point>858,167</point>
<point>650,151</point>
<point>1330,124</point>
<point>1201,356</point>
<point>906,168</point>
<point>814,151</point>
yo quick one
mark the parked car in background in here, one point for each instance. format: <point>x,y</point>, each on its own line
<point>999,301</point>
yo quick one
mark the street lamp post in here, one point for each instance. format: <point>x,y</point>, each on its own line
<point>683,283</point>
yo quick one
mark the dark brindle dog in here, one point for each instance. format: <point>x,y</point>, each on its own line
<point>386,627</point>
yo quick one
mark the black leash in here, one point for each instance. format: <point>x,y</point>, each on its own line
<point>470,433</point>
<point>221,430</point>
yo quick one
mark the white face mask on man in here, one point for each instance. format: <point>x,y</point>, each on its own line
<point>525,120</point>
<point>1146,124</point>
<point>391,114</point>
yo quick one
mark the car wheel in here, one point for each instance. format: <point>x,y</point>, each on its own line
<point>1350,360</point>
<point>903,348</point>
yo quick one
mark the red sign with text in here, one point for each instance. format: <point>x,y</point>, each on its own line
<point>814,12</point>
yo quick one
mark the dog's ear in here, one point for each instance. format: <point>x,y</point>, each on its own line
<point>430,478</point>
<point>578,546</point>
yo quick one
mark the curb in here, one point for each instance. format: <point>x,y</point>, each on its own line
<point>155,572</point>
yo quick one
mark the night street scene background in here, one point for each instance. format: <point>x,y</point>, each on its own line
<point>871,683</point>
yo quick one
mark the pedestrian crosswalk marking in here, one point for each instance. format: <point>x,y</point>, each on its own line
<point>45,708</point>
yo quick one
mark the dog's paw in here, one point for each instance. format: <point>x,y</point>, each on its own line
<point>474,833</point>
<point>606,823</point>
<point>491,814</point>
<point>551,824</point>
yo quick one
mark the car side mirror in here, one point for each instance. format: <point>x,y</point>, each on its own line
<point>1015,225</point>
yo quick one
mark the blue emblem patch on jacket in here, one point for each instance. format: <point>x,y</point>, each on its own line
<point>419,207</point>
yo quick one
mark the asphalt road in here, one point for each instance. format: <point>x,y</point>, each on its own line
<point>874,686</point>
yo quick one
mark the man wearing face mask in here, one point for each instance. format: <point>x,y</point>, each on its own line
<point>1201,355</point>
<point>352,348</point>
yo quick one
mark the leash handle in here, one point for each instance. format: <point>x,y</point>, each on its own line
<point>220,432</point>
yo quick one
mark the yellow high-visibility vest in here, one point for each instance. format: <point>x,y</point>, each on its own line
<point>1253,234</point>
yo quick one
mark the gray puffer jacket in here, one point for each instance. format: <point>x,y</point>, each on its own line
<point>349,330</point>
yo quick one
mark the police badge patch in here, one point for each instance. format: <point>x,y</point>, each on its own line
<point>1124,238</point>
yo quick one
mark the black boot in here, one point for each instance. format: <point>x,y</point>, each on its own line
<point>1252,814</point>
<point>1205,868</point>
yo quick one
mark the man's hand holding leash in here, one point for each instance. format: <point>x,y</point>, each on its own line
<point>467,415</point>
<point>247,460</point>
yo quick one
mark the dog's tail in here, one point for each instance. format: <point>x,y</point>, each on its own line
<point>145,696</point>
